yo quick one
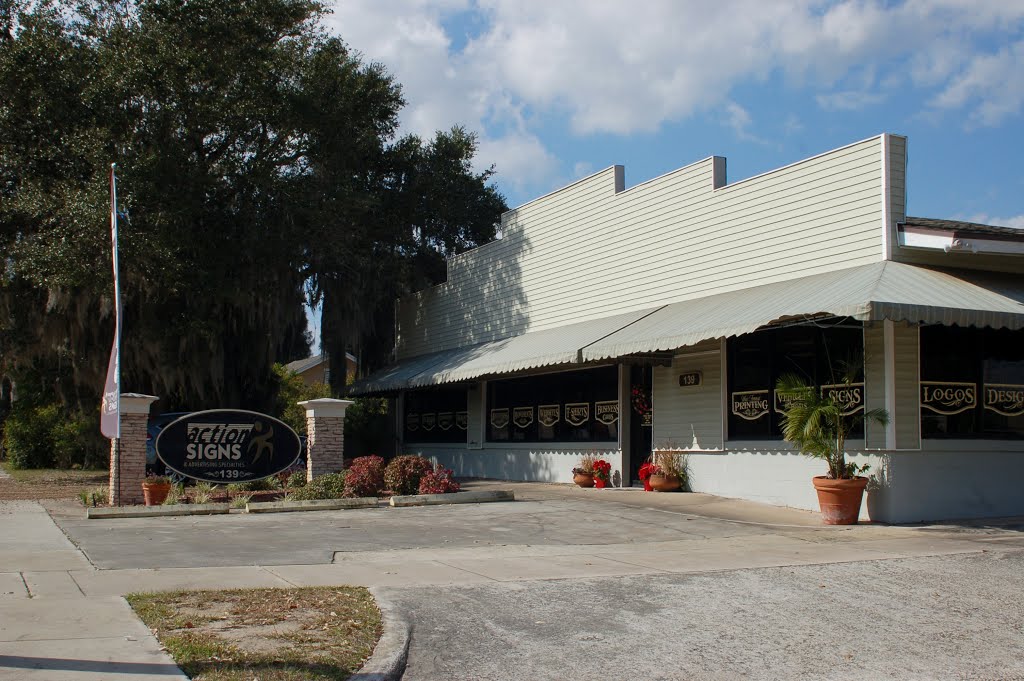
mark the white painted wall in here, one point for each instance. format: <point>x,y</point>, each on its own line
<point>538,462</point>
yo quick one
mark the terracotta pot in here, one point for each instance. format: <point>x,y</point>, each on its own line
<point>839,499</point>
<point>665,483</point>
<point>583,479</point>
<point>599,483</point>
<point>154,493</point>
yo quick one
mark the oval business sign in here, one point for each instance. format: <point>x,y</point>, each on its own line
<point>227,445</point>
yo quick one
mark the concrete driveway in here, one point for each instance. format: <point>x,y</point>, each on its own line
<point>584,584</point>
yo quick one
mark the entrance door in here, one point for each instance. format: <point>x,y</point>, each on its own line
<point>641,430</point>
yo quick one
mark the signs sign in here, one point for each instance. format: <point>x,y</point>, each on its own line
<point>462,420</point>
<point>227,445</point>
<point>522,416</point>
<point>577,413</point>
<point>549,414</point>
<point>607,412</point>
<point>499,418</point>
<point>690,379</point>
<point>1005,399</point>
<point>948,398</point>
<point>849,396</point>
<point>750,405</point>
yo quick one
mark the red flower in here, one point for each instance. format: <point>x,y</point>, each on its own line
<point>648,469</point>
<point>602,469</point>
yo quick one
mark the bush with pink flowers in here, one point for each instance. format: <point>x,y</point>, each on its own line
<point>365,477</point>
<point>438,481</point>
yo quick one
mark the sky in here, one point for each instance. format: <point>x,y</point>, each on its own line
<point>559,89</point>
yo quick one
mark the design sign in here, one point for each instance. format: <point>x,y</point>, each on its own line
<point>428,421</point>
<point>607,412</point>
<point>462,420</point>
<point>849,396</point>
<point>227,445</point>
<point>1005,399</point>
<point>522,416</point>
<point>549,414</point>
<point>412,421</point>
<point>690,379</point>
<point>948,398</point>
<point>577,413</point>
<point>750,405</point>
<point>499,418</point>
<point>445,420</point>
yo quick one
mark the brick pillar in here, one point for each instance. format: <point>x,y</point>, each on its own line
<point>325,435</point>
<point>128,454</point>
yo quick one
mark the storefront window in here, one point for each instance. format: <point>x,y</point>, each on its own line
<point>435,415</point>
<point>572,406</point>
<point>972,383</point>
<point>757,360</point>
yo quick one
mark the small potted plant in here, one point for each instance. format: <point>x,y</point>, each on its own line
<point>155,489</point>
<point>602,473</point>
<point>668,473</point>
<point>648,469</point>
<point>583,475</point>
<point>816,425</point>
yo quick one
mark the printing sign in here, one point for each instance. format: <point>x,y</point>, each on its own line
<point>428,421</point>
<point>848,396</point>
<point>549,414</point>
<point>750,405</point>
<point>499,418</point>
<point>412,421</point>
<point>577,413</point>
<point>607,412</point>
<point>227,445</point>
<point>948,398</point>
<point>462,420</point>
<point>522,416</point>
<point>1005,399</point>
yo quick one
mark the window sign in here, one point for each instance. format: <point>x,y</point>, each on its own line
<point>445,420</point>
<point>499,418</point>
<point>607,412</point>
<point>549,414</point>
<point>462,420</point>
<point>430,415</point>
<point>647,419</point>
<point>522,416</point>
<point>412,421</point>
<point>948,398</point>
<point>428,421</point>
<point>784,399</point>
<point>750,405</point>
<point>849,396</point>
<point>577,413</point>
<point>1005,399</point>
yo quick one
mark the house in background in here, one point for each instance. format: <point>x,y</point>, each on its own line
<point>608,320</point>
<point>317,369</point>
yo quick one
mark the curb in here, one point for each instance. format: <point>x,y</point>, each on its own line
<point>157,511</point>
<point>453,498</point>
<point>310,505</point>
<point>392,651</point>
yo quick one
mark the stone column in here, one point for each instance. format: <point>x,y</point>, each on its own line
<point>325,435</point>
<point>128,454</point>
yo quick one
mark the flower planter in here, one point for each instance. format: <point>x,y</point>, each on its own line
<point>647,484</point>
<point>154,493</point>
<point>599,483</point>
<point>665,483</point>
<point>583,480</point>
<point>839,499</point>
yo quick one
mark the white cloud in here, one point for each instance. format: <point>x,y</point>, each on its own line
<point>848,101</point>
<point>986,219</point>
<point>990,85</point>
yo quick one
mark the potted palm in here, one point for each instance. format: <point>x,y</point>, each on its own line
<point>816,424</point>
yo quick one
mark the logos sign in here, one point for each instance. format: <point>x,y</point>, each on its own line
<point>412,421</point>
<point>499,418</point>
<point>462,420</point>
<point>750,405</point>
<point>445,420</point>
<point>690,379</point>
<point>428,421</point>
<point>227,445</point>
<point>849,396</point>
<point>948,398</point>
<point>522,416</point>
<point>1005,399</point>
<point>607,412</point>
<point>577,413</point>
<point>549,414</point>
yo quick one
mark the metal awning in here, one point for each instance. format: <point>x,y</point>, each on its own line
<point>882,290</point>
<point>873,292</point>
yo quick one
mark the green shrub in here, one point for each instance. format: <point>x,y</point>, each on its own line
<point>438,481</point>
<point>403,474</point>
<point>292,389</point>
<point>365,477</point>
<point>296,480</point>
<point>260,485</point>
<point>49,436</point>
<point>98,496</point>
<point>329,486</point>
<point>367,426</point>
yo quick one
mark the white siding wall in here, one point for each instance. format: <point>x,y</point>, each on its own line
<point>591,250</point>
<point>689,418</point>
<point>537,462</point>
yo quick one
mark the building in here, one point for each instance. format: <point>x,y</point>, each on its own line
<point>701,293</point>
<point>317,368</point>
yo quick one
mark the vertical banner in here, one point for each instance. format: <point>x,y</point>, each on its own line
<point>110,411</point>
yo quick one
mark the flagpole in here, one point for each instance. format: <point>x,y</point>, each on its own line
<point>110,415</point>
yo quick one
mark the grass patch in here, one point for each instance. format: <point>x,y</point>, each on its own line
<point>49,483</point>
<point>305,634</point>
